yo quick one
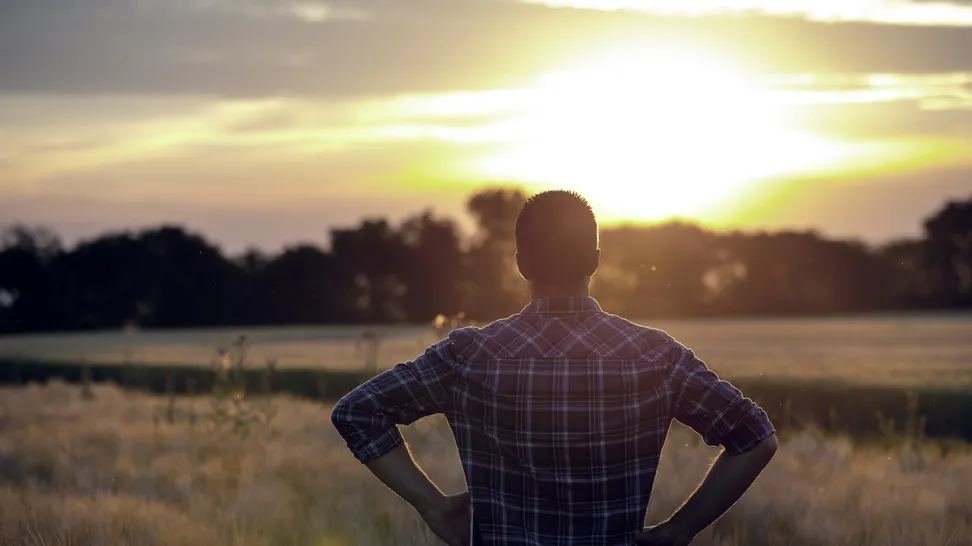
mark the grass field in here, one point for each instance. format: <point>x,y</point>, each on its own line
<point>906,350</point>
<point>122,468</point>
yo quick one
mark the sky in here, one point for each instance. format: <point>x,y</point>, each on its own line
<point>267,122</point>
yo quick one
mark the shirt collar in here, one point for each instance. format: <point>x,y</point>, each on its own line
<point>562,306</point>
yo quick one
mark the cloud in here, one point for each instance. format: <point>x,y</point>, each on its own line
<point>63,145</point>
<point>847,106</point>
<point>65,134</point>
<point>308,11</point>
<point>343,48</point>
<point>898,12</point>
<point>950,91</point>
<point>224,142</point>
<point>878,210</point>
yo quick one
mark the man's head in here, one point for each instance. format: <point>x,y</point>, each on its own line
<point>556,240</point>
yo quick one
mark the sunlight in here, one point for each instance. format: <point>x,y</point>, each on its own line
<point>648,135</point>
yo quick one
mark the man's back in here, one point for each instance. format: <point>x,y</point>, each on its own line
<point>560,414</point>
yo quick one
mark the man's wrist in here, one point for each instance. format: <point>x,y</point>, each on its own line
<point>681,527</point>
<point>430,502</point>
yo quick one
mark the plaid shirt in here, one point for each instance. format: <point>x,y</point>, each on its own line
<point>559,413</point>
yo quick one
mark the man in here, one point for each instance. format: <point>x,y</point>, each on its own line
<point>559,412</point>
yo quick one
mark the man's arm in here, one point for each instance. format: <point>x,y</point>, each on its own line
<point>447,516</point>
<point>401,474</point>
<point>727,480</point>
<point>368,419</point>
<point>722,416</point>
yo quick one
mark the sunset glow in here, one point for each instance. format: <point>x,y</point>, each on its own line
<point>650,134</point>
<point>270,122</point>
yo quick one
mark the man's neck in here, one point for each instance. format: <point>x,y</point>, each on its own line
<point>541,291</point>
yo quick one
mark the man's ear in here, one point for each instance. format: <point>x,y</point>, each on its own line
<point>520,266</point>
<point>595,262</point>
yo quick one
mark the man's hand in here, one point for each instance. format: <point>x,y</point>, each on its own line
<point>664,534</point>
<point>450,519</point>
<point>448,516</point>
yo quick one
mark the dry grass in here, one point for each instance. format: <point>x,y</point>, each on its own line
<point>909,351</point>
<point>108,471</point>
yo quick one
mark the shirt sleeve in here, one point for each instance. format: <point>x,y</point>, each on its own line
<point>368,417</point>
<point>714,408</point>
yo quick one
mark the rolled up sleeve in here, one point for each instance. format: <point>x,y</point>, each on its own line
<point>368,417</point>
<point>715,408</point>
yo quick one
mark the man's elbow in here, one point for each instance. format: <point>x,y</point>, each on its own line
<point>766,448</point>
<point>342,415</point>
<point>336,418</point>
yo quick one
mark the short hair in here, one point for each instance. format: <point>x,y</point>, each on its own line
<point>556,238</point>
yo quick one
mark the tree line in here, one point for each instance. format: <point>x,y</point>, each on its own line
<point>380,272</point>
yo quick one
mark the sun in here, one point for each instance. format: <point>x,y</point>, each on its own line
<point>652,134</point>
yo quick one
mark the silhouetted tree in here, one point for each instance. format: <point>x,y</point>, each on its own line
<point>371,256</point>
<point>432,271</point>
<point>195,283</point>
<point>251,300</point>
<point>377,272</point>
<point>655,271</point>
<point>493,288</point>
<point>789,272</point>
<point>40,241</point>
<point>948,245</point>
<point>304,285</point>
<point>911,284</point>
<point>160,277</point>
<point>28,297</point>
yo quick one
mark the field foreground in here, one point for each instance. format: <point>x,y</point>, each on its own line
<point>122,468</point>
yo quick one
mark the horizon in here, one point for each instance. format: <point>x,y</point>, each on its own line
<point>465,225</point>
<point>852,121</point>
